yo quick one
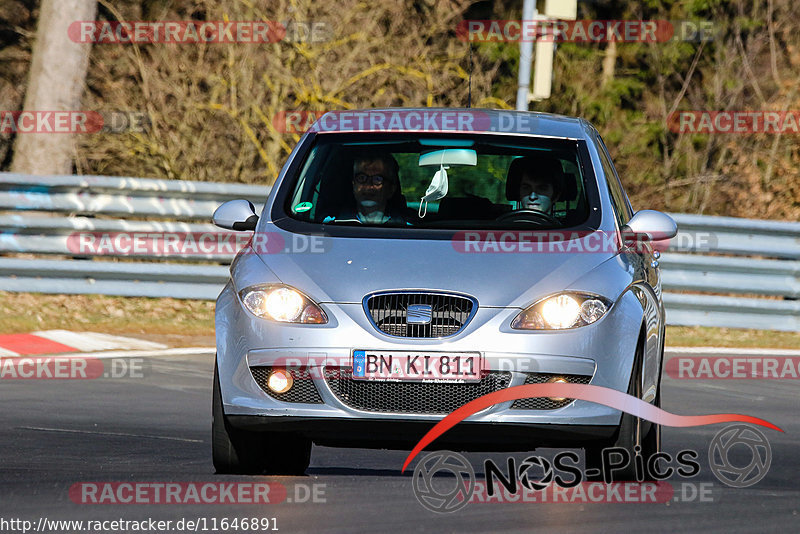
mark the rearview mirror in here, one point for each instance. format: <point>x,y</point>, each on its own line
<point>652,224</point>
<point>236,215</point>
<point>449,156</point>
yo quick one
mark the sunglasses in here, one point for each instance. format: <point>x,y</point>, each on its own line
<point>376,180</point>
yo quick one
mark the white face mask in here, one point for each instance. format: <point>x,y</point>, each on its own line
<point>537,202</point>
<point>436,190</point>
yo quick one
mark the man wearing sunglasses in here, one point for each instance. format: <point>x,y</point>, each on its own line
<point>376,187</point>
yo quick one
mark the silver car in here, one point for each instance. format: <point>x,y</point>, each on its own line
<point>408,261</point>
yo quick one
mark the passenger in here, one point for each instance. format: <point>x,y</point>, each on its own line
<point>536,183</point>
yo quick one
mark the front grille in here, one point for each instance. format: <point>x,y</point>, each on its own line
<point>410,397</point>
<point>544,403</point>
<point>302,391</point>
<point>448,314</point>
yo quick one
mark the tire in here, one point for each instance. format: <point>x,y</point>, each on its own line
<point>633,432</point>
<point>236,451</point>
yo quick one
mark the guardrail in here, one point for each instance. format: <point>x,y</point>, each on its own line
<point>113,195</point>
<point>752,259</point>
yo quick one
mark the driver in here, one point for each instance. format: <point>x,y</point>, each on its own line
<point>376,191</point>
<point>375,181</point>
<point>535,183</point>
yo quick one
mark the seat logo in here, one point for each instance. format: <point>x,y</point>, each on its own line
<point>419,314</point>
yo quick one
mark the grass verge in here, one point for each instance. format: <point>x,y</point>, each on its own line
<point>174,322</point>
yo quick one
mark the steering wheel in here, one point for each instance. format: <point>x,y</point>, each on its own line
<point>528,216</point>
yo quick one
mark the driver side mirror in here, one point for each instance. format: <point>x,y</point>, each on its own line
<point>651,225</point>
<point>236,215</point>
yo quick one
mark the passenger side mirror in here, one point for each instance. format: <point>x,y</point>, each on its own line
<point>236,215</point>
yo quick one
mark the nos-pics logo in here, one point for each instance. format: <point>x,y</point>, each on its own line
<point>444,481</point>
<point>732,472</point>
<point>444,494</point>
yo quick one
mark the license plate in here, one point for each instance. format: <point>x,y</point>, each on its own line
<point>399,366</point>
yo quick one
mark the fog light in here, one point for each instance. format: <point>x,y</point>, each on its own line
<point>280,381</point>
<point>557,380</point>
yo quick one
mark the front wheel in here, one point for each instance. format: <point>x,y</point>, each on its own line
<point>237,451</point>
<point>637,436</point>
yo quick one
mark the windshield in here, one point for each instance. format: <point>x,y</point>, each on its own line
<point>446,182</point>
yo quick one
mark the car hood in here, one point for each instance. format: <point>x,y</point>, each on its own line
<point>344,270</point>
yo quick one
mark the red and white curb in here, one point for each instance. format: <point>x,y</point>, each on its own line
<point>64,341</point>
<point>183,351</point>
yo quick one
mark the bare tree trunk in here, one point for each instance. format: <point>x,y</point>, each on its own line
<point>57,76</point>
<point>609,61</point>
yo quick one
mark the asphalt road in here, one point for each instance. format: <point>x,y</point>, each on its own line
<point>156,428</point>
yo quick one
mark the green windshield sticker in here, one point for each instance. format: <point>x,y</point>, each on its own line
<point>303,206</point>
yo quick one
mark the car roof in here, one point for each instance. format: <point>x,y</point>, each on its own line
<point>453,120</point>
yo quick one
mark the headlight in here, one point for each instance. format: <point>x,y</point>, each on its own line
<point>282,303</point>
<point>565,310</point>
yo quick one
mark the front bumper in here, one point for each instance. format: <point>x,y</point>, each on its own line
<point>603,351</point>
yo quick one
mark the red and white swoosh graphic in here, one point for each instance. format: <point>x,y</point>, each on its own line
<point>598,394</point>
